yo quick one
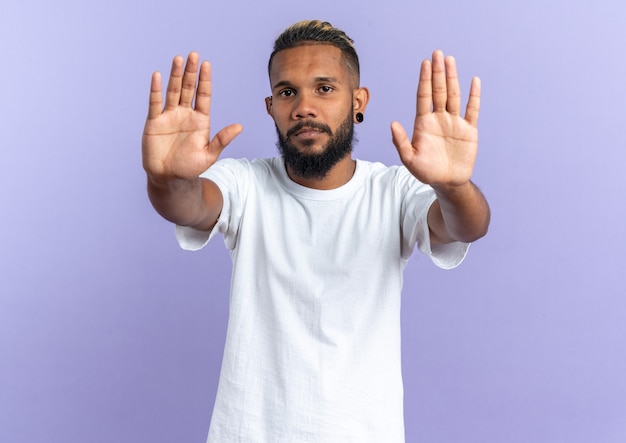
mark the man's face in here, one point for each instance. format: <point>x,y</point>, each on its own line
<point>312,106</point>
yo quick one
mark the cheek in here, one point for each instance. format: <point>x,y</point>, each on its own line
<point>279,113</point>
<point>281,121</point>
<point>342,114</point>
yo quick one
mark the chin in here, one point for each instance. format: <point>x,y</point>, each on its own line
<point>311,147</point>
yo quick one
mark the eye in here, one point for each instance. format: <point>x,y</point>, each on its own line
<point>325,89</point>
<point>287,93</point>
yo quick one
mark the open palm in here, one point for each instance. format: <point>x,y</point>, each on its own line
<point>443,147</point>
<point>176,141</point>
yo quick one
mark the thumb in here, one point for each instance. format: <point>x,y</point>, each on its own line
<point>400,139</point>
<point>224,137</point>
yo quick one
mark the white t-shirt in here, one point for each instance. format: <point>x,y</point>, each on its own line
<point>312,350</point>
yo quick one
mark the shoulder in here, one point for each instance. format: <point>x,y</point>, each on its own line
<point>241,168</point>
<point>393,175</point>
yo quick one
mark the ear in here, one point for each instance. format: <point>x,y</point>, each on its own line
<point>268,106</point>
<point>360,99</point>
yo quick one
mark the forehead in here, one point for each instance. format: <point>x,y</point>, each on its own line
<point>308,61</point>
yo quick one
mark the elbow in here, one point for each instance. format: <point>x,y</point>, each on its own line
<point>475,236</point>
<point>471,232</point>
<point>477,231</point>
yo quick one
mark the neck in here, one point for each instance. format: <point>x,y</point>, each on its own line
<point>339,175</point>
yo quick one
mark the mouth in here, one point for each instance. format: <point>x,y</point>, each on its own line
<point>308,133</point>
<point>308,130</point>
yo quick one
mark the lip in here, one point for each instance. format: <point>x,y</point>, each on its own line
<point>308,132</point>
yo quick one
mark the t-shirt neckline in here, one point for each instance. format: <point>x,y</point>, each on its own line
<point>318,194</point>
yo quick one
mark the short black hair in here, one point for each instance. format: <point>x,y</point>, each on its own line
<point>311,32</point>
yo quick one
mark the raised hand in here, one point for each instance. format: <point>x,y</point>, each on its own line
<point>176,141</point>
<point>443,148</point>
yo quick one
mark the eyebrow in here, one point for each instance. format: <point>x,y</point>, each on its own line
<point>282,83</point>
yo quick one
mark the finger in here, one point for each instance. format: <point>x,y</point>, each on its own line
<point>473,104</point>
<point>224,137</point>
<point>453,105</point>
<point>203,95</point>
<point>401,140</point>
<point>189,80</point>
<point>424,89</point>
<point>440,95</point>
<point>155,105</point>
<point>174,84</point>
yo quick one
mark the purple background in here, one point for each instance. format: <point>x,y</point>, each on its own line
<point>110,333</point>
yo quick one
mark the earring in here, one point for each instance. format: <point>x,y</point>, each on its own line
<point>359,117</point>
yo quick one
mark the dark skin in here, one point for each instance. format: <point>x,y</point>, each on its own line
<point>442,152</point>
<point>313,83</point>
<point>177,147</point>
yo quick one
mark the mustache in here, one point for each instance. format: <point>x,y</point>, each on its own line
<point>309,124</point>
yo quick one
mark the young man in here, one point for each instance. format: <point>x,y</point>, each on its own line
<point>319,240</point>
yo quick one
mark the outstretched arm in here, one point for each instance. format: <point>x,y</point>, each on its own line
<point>177,148</point>
<point>442,152</point>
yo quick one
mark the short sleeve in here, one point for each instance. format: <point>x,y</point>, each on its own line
<point>417,198</point>
<point>444,256</point>
<point>231,177</point>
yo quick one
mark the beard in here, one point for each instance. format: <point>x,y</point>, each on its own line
<point>313,165</point>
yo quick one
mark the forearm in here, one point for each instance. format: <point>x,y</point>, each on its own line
<point>461,213</point>
<point>194,202</point>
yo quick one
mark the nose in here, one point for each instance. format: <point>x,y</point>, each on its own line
<point>304,107</point>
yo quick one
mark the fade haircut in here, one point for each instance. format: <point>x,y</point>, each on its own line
<point>317,32</point>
